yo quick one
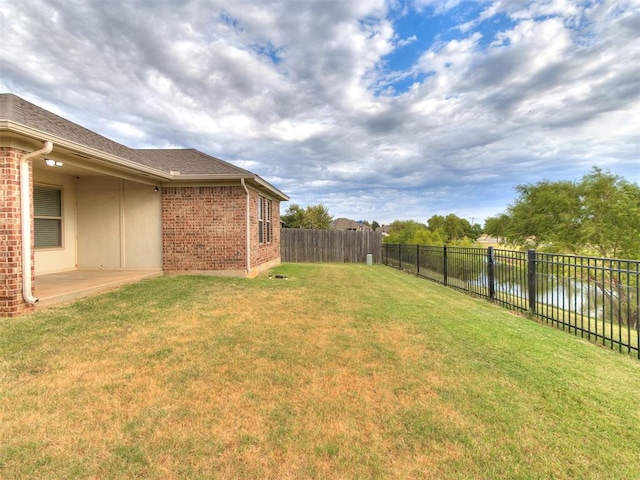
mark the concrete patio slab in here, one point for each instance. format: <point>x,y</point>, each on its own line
<point>60,287</point>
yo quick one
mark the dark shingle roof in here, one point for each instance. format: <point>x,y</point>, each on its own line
<point>188,162</point>
<point>185,161</point>
<point>20,111</point>
<point>344,224</point>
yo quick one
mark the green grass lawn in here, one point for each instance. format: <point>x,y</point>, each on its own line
<point>341,371</point>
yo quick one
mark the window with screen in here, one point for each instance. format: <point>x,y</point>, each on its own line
<point>47,217</point>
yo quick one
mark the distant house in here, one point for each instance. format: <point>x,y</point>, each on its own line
<point>73,199</point>
<point>346,224</point>
<point>384,230</point>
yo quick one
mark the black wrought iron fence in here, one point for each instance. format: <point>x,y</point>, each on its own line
<point>596,298</point>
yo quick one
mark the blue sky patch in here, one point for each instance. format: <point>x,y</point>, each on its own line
<point>268,50</point>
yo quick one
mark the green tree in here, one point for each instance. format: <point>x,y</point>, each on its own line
<point>402,231</point>
<point>456,228</point>
<point>375,225</point>
<point>475,231</point>
<point>546,214</point>
<point>436,222</point>
<point>453,228</point>
<point>294,216</point>
<point>317,217</point>
<point>427,237</point>
<point>611,214</point>
<point>410,232</point>
<point>600,214</point>
<point>314,216</point>
<point>497,226</point>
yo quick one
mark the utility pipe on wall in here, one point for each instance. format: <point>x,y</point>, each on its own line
<point>248,232</point>
<point>25,211</point>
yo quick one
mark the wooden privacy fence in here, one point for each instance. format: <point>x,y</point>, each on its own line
<point>329,246</point>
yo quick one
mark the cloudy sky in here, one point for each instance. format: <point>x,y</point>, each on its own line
<point>378,109</point>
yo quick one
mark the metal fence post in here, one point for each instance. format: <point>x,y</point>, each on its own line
<point>399,257</point>
<point>417,259</point>
<point>531,280</point>
<point>491,273</point>
<point>444,262</point>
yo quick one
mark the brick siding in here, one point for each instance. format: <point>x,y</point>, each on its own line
<point>11,301</point>
<point>204,228</point>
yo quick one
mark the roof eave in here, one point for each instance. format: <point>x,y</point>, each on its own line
<point>251,178</point>
<point>264,184</point>
<point>83,150</point>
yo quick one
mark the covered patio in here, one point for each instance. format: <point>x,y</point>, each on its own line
<point>59,287</point>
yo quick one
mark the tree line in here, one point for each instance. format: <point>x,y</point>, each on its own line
<point>439,229</point>
<point>598,215</point>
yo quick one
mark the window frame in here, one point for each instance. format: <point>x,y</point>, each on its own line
<point>260,219</point>
<point>268,221</point>
<point>40,216</point>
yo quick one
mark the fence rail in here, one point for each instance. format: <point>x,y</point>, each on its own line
<point>596,298</point>
<point>329,246</point>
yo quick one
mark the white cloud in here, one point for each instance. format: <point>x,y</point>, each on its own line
<point>439,6</point>
<point>296,131</point>
<point>406,41</point>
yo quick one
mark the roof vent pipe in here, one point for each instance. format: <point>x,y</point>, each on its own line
<point>25,211</point>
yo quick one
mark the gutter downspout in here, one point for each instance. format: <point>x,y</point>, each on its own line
<point>25,210</point>
<point>248,232</point>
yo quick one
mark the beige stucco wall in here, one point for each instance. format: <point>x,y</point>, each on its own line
<point>119,224</point>
<point>59,259</point>
<point>143,226</point>
<point>99,222</point>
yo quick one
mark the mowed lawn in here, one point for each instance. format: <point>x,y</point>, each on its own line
<point>340,371</point>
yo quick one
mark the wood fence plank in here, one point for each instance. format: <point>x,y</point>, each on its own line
<point>329,246</point>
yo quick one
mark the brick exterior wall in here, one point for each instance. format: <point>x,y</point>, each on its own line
<point>204,228</point>
<point>11,301</point>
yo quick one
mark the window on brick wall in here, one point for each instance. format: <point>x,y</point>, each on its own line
<point>265,231</point>
<point>47,217</point>
<point>261,219</point>
<point>268,218</point>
